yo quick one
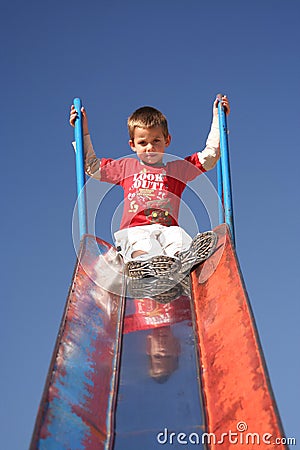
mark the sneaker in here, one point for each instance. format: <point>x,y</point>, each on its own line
<point>167,297</point>
<point>201,248</point>
<point>158,266</point>
<point>162,290</point>
<point>185,284</point>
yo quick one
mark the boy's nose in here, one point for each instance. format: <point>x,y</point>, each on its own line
<point>149,148</point>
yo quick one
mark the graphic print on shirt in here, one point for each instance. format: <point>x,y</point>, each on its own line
<point>148,193</point>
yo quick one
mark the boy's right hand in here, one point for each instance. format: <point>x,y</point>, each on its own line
<point>225,102</point>
<point>73,117</point>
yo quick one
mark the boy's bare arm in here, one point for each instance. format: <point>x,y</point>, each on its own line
<point>210,155</point>
<point>91,162</point>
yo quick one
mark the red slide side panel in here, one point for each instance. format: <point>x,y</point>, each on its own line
<point>77,406</point>
<point>238,399</point>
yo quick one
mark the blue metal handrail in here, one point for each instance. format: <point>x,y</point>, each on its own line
<point>80,174</point>
<point>220,192</point>
<point>223,173</point>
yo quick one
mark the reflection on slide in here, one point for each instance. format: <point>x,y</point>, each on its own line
<point>158,387</point>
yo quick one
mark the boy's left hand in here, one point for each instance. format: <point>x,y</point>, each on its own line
<point>225,104</point>
<point>73,117</point>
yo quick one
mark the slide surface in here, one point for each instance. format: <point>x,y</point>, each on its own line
<point>134,373</point>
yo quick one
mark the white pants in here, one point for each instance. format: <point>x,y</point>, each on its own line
<point>154,239</point>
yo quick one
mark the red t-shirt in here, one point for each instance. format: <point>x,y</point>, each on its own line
<point>151,194</point>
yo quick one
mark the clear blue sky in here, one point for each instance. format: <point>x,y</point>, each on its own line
<point>118,56</point>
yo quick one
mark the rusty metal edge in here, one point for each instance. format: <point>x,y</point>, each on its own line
<point>228,243</point>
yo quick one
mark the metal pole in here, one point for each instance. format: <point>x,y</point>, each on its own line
<point>80,174</point>
<point>225,169</point>
<point>220,192</point>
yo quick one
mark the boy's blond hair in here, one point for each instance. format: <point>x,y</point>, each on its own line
<point>147,117</point>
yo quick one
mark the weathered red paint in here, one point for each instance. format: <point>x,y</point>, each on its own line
<point>77,406</point>
<point>234,377</point>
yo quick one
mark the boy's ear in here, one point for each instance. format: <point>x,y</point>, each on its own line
<point>168,140</point>
<point>131,144</point>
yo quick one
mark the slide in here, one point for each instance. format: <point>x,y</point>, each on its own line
<point>133,373</point>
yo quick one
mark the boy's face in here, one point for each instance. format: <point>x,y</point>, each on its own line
<point>149,144</point>
<point>163,348</point>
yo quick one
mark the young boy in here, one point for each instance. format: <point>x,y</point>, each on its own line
<point>150,240</point>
